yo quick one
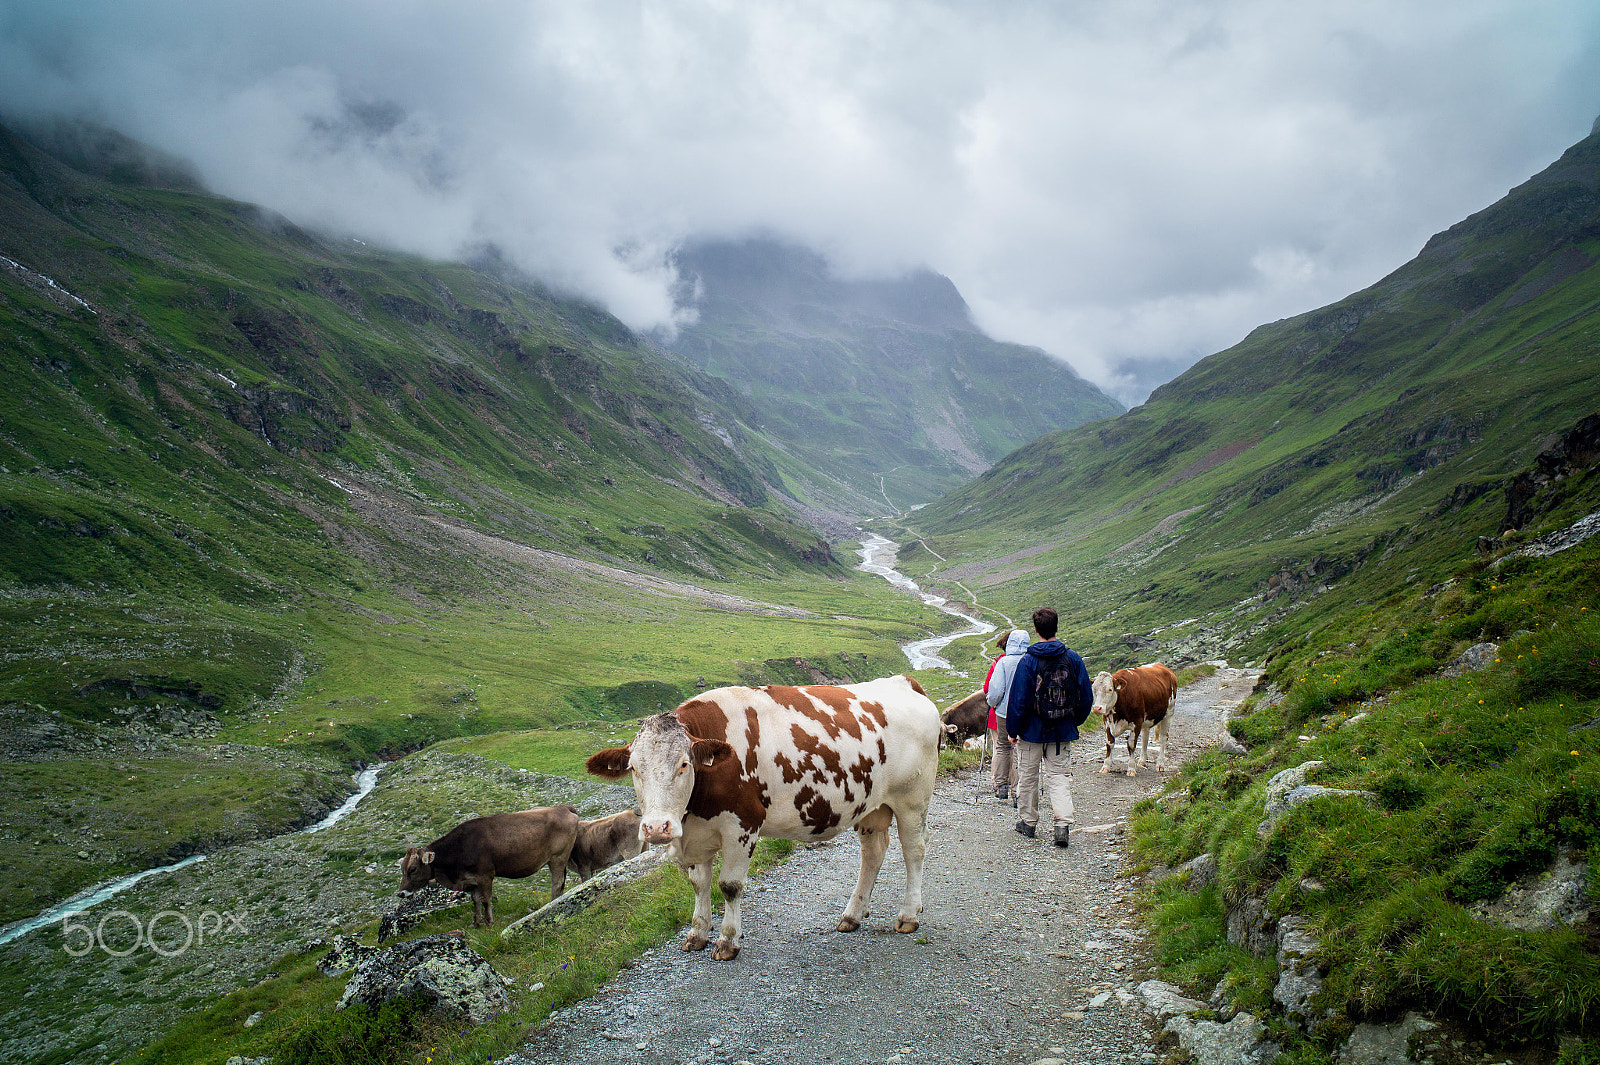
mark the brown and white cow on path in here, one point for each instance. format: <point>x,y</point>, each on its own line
<point>734,764</point>
<point>1141,700</point>
<point>515,845</point>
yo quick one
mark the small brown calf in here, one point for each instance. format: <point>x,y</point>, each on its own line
<point>606,841</point>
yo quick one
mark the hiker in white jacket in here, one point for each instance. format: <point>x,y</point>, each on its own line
<point>999,684</point>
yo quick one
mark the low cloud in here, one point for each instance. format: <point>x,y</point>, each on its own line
<point>1129,186</point>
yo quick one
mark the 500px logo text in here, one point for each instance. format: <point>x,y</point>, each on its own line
<point>168,933</point>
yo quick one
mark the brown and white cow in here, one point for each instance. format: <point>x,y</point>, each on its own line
<point>604,842</point>
<point>734,764</point>
<point>1137,700</point>
<point>966,719</point>
<point>515,845</point>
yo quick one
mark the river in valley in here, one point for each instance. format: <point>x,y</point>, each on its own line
<point>93,896</point>
<point>877,557</point>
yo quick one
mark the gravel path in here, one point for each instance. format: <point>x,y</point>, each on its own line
<point>1026,952</point>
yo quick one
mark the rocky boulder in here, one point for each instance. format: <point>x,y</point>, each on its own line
<point>1289,789</point>
<point>1299,980</point>
<point>441,972</point>
<point>415,907</point>
<point>1475,659</point>
<point>1558,896</point>
<point>1200,872</point>
<point>1166,1000</point>
<point>345,953</point>
<point>1383,1044</point>
<point>1242,1041</point>
<point>581,897</point>
<point>1252,926</point>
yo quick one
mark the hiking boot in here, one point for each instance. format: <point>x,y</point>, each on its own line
<point>1024,829</point>
<point>1003,791</point>
<point>1062,834</point>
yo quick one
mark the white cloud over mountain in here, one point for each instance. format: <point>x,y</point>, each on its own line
<point>1129,186</point>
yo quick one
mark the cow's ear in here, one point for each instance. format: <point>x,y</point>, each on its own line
<point>610,763</point>
<point>706,752</point>
<point>950,729</point>
<point>427,857</point>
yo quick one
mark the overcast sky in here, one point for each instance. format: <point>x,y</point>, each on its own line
<point>1130,185</point>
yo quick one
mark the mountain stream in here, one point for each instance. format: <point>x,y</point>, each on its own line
<point>877,557</point>
<point>366,780</point>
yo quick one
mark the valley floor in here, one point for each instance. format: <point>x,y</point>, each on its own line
<point>1018,941</point>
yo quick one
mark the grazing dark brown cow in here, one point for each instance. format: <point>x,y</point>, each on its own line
<point>515,845</point>
<point>966,719</point>
<point>606,841</point>
<point>1141,700</point>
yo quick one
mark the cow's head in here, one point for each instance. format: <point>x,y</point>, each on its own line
<point>663,759</point>
<point>416,869</point>
<point>1105,693</point>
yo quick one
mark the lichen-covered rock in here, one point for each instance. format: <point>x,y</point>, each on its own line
<point>1558,896</point>
<point>442,972</point>
<point>344,954</point>
<point>1299,980</point>
<point>1252,926</point>
<point>1230,746</point>
<point>1239,1042</point>
<point>1475,659</point>
<point>415,907</point>
<point>1383,1044</point>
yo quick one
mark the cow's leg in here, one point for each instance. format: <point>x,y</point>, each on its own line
<point>735,868</point>
<point>1134,737</point>
<point>483,903</point>
<point>1161,741</point>
<point>1105,767</point>
<point>699,874</point>
<point>558,876</point>
<point>1133,742</point>
<point>874,832</point>
<point>914,847</point>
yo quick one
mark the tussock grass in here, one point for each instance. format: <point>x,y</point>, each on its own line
<point>1479,779</point>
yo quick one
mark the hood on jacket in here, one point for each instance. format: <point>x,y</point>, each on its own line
<point>1051,648</point>
<point>1017,642</point>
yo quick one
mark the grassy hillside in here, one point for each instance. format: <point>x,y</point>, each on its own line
<point>319,503</point>
<point>885,386</point>
<point>1318,447</point>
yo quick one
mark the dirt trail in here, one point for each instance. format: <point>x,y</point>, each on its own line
<point>1021,954</point>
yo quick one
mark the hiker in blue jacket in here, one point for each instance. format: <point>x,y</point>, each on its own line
<point>1049,697</point>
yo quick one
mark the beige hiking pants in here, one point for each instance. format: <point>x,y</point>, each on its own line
<point>1034,759</point>
<point>1005,758</point>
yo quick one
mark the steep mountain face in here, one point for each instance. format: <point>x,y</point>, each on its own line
<point>1384,426</point>
<point>886,385</point>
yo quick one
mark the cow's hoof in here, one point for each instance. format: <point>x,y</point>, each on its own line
<point>905,925</point>
<point>1105,769</point>
<point>1132,771</point>
<point>727,950</point>
<point>848,924</point>
<point>696,941</point>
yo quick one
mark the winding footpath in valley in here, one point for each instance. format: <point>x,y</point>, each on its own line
<point>1026,953</point>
